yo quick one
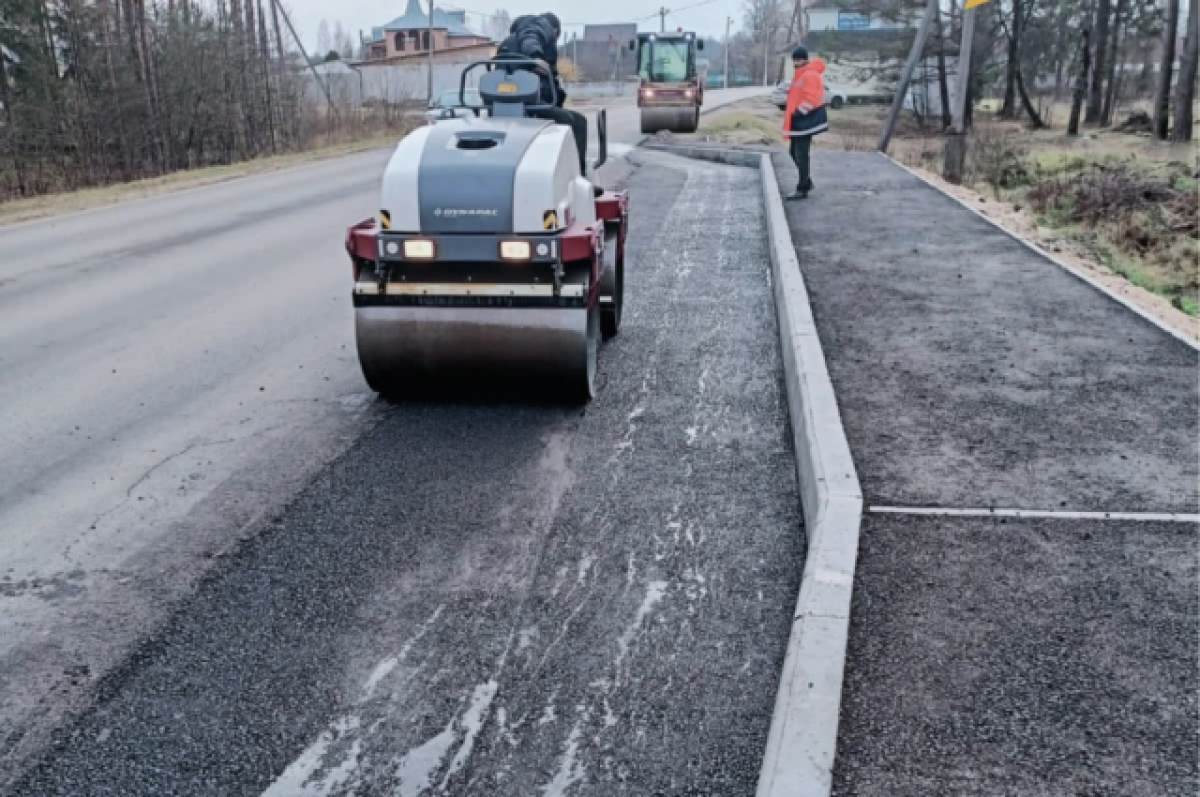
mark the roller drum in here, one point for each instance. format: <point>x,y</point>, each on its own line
<point>405,350</point>
<point>676,119</point>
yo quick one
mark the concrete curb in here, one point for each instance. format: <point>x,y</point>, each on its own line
<point>1101,287</point>
<point>803,739</point>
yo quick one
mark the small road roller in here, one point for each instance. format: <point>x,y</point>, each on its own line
<point>493,259</point>
<point>670,81</point>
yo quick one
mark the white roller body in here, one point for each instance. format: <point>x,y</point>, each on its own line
<point>546,178</point>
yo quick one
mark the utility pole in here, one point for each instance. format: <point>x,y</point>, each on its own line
<point>429,88</point>
<point>766,53</point>
<point>728,22</point>
<point>918,49</point>
<point>276,5</point>
<point>956,139</point>
<point>662,19</point>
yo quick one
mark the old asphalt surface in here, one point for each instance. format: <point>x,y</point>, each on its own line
<point>507,599</point>
<point>993,656</point>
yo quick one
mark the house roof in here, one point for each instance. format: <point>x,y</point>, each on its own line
<point>416,17</point>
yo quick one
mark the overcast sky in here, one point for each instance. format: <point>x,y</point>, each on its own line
<point>708,18</point>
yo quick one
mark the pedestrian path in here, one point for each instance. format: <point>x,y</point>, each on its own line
<point>1025,610</point>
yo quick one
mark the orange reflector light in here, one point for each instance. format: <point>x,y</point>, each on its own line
<point>418,250</point>
<point>506,88</point>
<point>514,250</point>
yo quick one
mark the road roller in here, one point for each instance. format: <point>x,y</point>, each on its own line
<point>670,81</point>
<point>493,261</point>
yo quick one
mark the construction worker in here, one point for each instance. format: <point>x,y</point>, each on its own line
<point>535,37</point>
<point>805,115</point>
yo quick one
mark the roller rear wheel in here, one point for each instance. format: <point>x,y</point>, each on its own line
<point>612,284</point>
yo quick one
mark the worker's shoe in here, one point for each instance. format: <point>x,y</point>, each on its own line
<point>597,190</point>
<point>799,193</point>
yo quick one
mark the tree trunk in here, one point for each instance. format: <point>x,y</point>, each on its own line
<point>1185,87</point>
<point>1114,61</point>
<point>1009,109</point>
<point>1079,84</point>
<point>1095,100</point>
<point>1035,121</point>
<point>1162,92</point>
<point>943,83</point>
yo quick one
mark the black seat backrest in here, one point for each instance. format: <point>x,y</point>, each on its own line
<point>509,91</point>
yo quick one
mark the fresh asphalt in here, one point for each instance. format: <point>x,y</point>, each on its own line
<point>508,599</point>
<point>1002,656</point>
<point>172,371</point>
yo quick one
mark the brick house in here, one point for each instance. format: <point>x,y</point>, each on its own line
<point>409,36</point>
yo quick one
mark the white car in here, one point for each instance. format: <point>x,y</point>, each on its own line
<point>834,98</point>
<point>448,105</point>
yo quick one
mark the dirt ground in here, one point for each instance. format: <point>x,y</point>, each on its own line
<point>756,123</point>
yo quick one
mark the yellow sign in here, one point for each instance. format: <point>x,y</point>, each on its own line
<point>549,220</point>
<point>385,219</point>
<point>973,3</point>
<point>507,88</point>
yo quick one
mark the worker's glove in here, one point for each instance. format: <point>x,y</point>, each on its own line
<point>805,107</point>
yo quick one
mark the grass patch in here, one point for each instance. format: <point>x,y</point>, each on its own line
<point>741,127</point>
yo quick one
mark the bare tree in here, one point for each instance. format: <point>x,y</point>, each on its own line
<point>1162,92</point>
<point>1095,100</point>
<point>324,37</point>
<point>1185,88</point>
<point>498,24</point>
<point>1079,85</point>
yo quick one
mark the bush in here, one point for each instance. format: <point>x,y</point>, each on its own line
<point>997,158</point>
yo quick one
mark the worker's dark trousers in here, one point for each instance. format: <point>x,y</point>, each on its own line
<point>800,147</point>
<point>578,124</point>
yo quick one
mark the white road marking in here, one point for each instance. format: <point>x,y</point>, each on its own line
<point>570,771</point>
<point>472,723</point>
<point>1170,517</point>
<point>416,768</point>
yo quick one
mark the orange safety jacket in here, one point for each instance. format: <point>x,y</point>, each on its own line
<point>805,113</point>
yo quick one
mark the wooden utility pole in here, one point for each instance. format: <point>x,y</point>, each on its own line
<point>662,19</point>
<point>956,138</point>
<point>914,57</point>
<point>728,22</point>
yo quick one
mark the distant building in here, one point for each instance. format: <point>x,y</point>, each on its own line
<point>619,35</point>
<point>412,35</point>
<point>832,15</point>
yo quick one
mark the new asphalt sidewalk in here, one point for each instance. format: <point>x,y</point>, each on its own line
<point>1002,654</point>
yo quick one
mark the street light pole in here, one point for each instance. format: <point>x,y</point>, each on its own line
<point>662,18</point>
<point>429,55</point>
<point>728,22</point>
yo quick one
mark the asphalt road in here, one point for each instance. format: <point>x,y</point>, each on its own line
<point>173,370</point>
<point>505,599</point>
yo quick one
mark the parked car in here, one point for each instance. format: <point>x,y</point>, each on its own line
<point>835,98</point>
<point>448,103</point>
